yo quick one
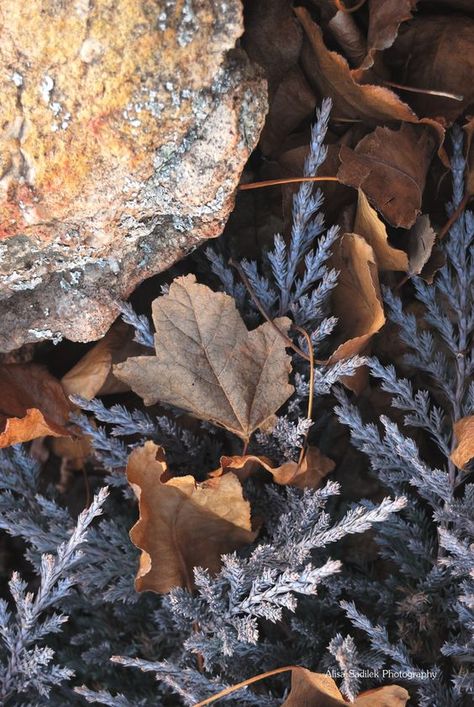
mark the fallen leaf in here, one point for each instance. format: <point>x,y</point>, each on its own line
<point>183,524</point>
<point>390,166</point>
<point>356,301</point>
<point>33,404</point>
<point>92,375</point>
<point>310,689</point>
<point>464,435</point>
<point>385,17</point>
<point>368,224</point>
<point>348,35</point>
<point>331,75</point>
<point>314,467</point>
<point>208,363</point>
<point>420,241</point>
<point>435,53</point>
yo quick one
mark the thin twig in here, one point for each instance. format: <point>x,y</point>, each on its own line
<point>264,313</point>
<point>289,180</point>
<point>427,91</point>
<point>311,390</point>
<point>244,683</point>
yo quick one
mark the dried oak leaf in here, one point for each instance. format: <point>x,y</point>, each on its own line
<point>464,434</point>
<point>314,467</point>
<point>385,17</point>
<point>331,75</point>
<point>208,363</point>
<point>368,224</point>
<point>319,690</point>
<point>33,404</point>
<point>356,301</point>
<point>390,166</point>
<point>435,52</point>
<point>183,524</point>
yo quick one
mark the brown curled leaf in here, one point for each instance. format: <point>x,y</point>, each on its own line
<point>464,434</point>
<point>183,524</point>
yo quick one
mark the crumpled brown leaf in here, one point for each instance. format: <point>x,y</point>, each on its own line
<point>208,363</point>
<point>314,467</point>
<point>368,224</point>
<point>33,404</point>
<point>385,17</point>
<point>464,435</point>
<point>435,52</point>
<point>319,690</point>
<point>183,524</point>
<point>330,73</point>
<point>356,301</point>
<point>390,166</point>
<point>92,375</point>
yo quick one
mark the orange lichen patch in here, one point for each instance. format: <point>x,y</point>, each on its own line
<point>94,89</point>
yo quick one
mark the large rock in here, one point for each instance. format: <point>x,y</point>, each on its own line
<point>125,127</point>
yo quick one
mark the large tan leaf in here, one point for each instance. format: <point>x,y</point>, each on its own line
<point>319,690</point>
<point>330,73</point>
<point>92,375</point>
<point>464,434</point>
<point>208,363</point>
<point>390,166</point>
<point>357,302</point>
<point>368,224</point>
<point>183,524</point>
<point>309,474</point>
<point>32,404</point>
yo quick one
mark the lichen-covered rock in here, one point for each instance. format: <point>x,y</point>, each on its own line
<point>125,127</point>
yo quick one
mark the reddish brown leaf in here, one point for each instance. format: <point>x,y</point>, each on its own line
<point>183,524</point>
<point>309,474</point>
<point>208,363</point>
<point>385,17</point>
<point>390,166</point>
<point>464,434</point>
<point>436,53</point>
<point>32,404</point>
<point>331,75</point>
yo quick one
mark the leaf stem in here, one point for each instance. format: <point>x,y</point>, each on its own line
<point>287,180</point>
<point>311,389</point>
<point>263,311</point>
<point>244,683</point>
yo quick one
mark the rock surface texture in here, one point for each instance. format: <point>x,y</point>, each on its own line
<point>125,127</point>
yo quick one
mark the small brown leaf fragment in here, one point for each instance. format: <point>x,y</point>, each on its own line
<point>319,690</point>
<point>390,166</point>
<point>208,363</point>
<point>464,434</point>
<point>183,524</point>
<point>385,17</point>
<point>357,301</point>
<point>331,75</point>
<point>420,239</point>
<point>33,404</point>
<point>92,375</point>
<point>314,467</point>
<point>368,224</point>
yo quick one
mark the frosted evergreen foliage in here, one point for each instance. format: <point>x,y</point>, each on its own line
<point>431,542</point>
